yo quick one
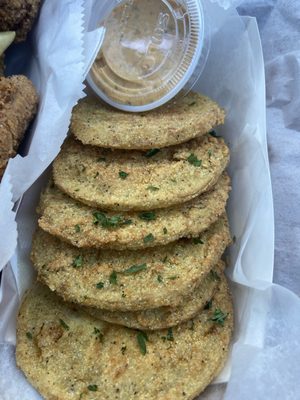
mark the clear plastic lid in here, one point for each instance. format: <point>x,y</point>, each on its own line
<point>152,50</point>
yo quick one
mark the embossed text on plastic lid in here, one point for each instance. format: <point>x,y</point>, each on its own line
<point>151,51</point>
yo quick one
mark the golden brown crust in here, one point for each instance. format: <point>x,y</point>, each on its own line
<point>68,355</point>
<point>166,317</point>
<point>72,221</point>
<point>178,174</point>
<point>18,15</point>
<point>179,121</point>
<point>18,105</point>
<point>74,273</point>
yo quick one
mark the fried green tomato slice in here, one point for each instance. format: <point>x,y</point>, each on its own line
<point>128,280</point>
<point>83,226</point>
<point>132,180</point>
<point>68,355</point>
<point>96,124</point>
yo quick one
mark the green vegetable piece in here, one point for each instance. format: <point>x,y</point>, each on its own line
<point>78,262</point>
<point>148,216</point>
<point>149,238</point>
<point>123,175</point>
<point>142,338</point>
<point>193,160</point>
<point>151,153</point>
<point>134,269</point>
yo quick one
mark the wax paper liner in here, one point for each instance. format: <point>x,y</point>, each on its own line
<point>234,76</point>
<point>62,54</point>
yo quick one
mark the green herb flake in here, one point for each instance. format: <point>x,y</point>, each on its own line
<point>123,349</point>
<point>149,238</point>
<point>219,317</point>
<point>192,104</point>
<point>115,221</point>
<point>96,175</point>
<point>134,269</point>
<point>64,325</point>
<point>213,134</point>
<point>113,278</point>
<point>159,279</point>
<point>165,259</point>
<point>170,336</point>
<point>92,388</point>
<point>193,160</point>
<point>152,188</point>
<point>208,305</point>
<point>142,338</point>
<point>148,216</point>
<point>173,278</point>
<point>173,180</point>
<point>99,335</point>
<point>29,335</point>
<point>78,262</point>
<point>77,228</point>
<point>101,159</point>
<point>123,175</point>
<point>100,285</point>
<point>165,230</point>
<point>151,153</point>
<point>197,241</point>
<point>209,153</point>
<point>214,275</point>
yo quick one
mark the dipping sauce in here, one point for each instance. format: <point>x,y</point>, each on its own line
<point>149,52</point>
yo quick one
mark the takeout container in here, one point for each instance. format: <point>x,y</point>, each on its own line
<point>234,78</point>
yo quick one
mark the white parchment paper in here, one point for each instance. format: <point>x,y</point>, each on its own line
<point>234,76</point>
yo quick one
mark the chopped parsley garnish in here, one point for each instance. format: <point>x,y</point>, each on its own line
<point>123,175</point>
<point>153,188</point>
<point>99,334</point>
<point>219,317</point>
<point>165,230</point>
<point>208,305</point>
<point>142,338</point>
<point>29,335</point>
<point>64,325</point>
<point>165,259</point>
<point>134,269</point>
<point>92,388</point>
<point>192,104</point>
<point>214,275</point>
<point>77,228</point>
<point>159,279</point>
<point>148,216</point>
<point>78,262</point>
<point>123,349</point>
<point>173,180</point>
<point>170,336</point>
<point>113,278</point>
<point>149,238</point>
<point>96,175</point>
<point>115,221</point>
<point>213,133</point>
<point>151,153</point>
<point>209,153</point>
<point>172,278</point>
<point>100,285</point>
<point>193,159</point>
<point>197,241</point>
<point>101,159</point>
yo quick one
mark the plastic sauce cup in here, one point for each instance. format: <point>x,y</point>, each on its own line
<point>152,50</point>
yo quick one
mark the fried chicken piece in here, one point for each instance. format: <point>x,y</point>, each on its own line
<point>18,15</point>
<point>18,106</point>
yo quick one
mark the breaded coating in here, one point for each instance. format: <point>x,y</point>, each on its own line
<point>18,106</point>
<point>132,180</point>
<point>167,317</point>
<point>83,226</point>
<point>18,16</point>
<point>68,355</point>
<point>128,280</point>
<point>176,122</point>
